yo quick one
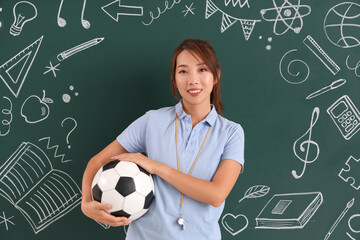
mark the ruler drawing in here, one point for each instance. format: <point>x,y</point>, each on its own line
<point>14,71</point>
<point>320,54</point>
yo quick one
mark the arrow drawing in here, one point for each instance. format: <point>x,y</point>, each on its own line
<point>115,8</point>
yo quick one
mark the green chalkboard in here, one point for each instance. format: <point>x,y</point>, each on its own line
<point>74,74</point>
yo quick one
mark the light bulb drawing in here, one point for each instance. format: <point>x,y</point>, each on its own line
<point>23,12</point>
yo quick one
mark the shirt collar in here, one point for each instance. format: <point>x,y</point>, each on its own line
<point>210,118</point>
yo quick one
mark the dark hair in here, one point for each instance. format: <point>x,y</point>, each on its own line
<point>206,53</point>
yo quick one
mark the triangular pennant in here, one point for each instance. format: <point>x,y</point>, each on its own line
<point>211,8</point>
<point>226,22</point>
<point>15,70</point>
<point>247,27</point>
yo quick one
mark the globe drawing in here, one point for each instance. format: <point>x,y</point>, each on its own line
<point>342,25</point>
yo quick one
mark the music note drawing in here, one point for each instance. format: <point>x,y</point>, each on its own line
<point>307,146</point>
<point>62,22</point>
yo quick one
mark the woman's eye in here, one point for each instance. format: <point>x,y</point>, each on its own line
<point>182,71</point>
<point>203,70</point>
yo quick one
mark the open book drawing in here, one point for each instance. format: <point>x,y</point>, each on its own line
<point>42,194</point>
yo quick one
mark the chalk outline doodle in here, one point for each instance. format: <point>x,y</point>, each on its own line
<point>340,25</point>
<point>5,220</point>
<point>342,122</point>
<point>353,216</point>
<point>75,125</point>
<point>230,229</point>
<point>6,122</point>
<point>62,22</point>
<point>0,21</point>
<point>349,204</point>
<point>279,16</point>
<point>15,85</point>
<point>44,101</point>
<point>19,22</point>
<point>137,10</point>
<point>356,68</point>
<point>227,21</point>
<point>288,68</point>
<point>52,69</point>
<point>332,86</point>
<point>347,170</point>
<point>299,222</point>
<point>188,9</point>
<point>167,7</point>
<point>314,117</point>
<point>256,191</point>
<point>237,2</point>
<point>321,54</point>
<point>56,147</point>
<point>42,194</point>
<point>78,48</point>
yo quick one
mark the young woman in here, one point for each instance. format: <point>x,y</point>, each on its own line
<point>194,154</point>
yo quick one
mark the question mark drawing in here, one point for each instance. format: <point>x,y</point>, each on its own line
<point>75,125</point>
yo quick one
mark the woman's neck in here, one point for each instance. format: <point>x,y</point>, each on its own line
<point>197,112</point>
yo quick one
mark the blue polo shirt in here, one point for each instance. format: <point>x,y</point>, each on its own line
<point>154,134</point>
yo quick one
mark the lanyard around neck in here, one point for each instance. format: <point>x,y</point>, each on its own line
<point>177,153</point>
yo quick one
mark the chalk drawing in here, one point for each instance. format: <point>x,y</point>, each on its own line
<point>286,17</point>
<point>306,145</point>
<point>6,122</point>
<point>24,12</point>
<point>14,77</point>
<point>41,193</point>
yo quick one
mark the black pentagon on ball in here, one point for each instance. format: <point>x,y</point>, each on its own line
<point>125,186</point>
<point>120,213</point>
<point>148,200</point>
<point>110,165</point>
<point>96,193</point>
<point>143,170</point>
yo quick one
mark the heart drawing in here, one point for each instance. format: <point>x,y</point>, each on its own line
<point>234,224</point>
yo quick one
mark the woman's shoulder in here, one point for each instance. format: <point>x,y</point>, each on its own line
<point>161,114</point>
<point>228,125</point>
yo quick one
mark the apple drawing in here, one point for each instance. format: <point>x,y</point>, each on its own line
<point>35,109</point>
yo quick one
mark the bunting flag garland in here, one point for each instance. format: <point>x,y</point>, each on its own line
<point>227,20</point>
<point>211,8</point>
<point>248,27</point>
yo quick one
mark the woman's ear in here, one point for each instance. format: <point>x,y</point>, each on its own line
<point>218,77</point>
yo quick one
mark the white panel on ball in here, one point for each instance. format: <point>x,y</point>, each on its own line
<point>127,169</point>
<point>114,198</point>
<point>108,180</point>
<point>134,203</point>
<point>143,183</point>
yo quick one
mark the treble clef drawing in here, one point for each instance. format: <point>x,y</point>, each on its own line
<point>306,145</point>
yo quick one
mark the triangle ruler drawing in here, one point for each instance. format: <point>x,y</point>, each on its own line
<point>14,71</point>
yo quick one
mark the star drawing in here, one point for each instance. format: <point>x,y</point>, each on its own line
<point>6,220</point>
<point>52,69</point>
<point>188,9</point>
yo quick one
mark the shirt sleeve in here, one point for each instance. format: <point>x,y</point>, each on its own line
<point>234,146</point>
<point>133,138</point>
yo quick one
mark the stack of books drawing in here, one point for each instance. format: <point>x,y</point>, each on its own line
<point>42,194</point>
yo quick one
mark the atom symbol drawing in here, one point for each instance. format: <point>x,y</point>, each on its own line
<point>287,16</point>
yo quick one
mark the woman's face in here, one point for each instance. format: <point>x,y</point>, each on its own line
<point>194,80</point>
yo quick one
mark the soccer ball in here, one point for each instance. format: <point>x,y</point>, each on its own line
<point>126,186</point>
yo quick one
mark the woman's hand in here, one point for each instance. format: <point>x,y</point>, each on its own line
<point>96,211</point>
<point>138,158</point>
